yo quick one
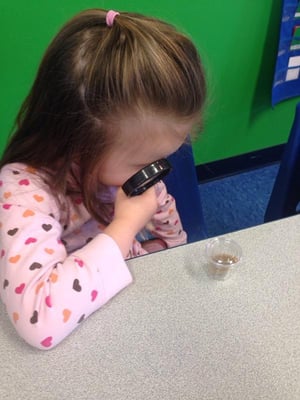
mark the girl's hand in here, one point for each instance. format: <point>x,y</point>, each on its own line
<point>137,210</point>
<point>131,215</point>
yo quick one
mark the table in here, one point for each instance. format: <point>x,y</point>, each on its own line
<point>176,334</point>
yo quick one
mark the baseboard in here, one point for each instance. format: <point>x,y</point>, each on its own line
<point>238,164</point>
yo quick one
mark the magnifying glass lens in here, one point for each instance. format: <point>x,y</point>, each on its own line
<point>146,177</point>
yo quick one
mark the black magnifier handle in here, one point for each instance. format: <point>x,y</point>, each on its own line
<point>146,177</point>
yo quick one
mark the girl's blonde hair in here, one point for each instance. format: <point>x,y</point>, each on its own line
<point>90,75</point>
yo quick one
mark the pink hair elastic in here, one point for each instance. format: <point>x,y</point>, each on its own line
<point>110,17</point>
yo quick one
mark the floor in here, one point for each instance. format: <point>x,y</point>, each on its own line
<point>238,201</point>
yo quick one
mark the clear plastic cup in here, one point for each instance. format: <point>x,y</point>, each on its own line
<point>223,256</point>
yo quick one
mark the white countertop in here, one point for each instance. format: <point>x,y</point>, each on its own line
<point>177,334</point>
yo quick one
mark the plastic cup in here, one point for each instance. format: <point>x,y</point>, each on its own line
<point>223,256</point>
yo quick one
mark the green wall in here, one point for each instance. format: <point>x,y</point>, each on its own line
<point>238,42</point>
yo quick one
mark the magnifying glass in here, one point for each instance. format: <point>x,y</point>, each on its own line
<point>146,177</point>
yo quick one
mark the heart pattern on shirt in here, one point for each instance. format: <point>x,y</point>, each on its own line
<point>24,182</point>
<point>79,262</point>
<point>66,314</point>
<point>35,265</point>
<point>12,232</point>
<point>76,285</point>
<point>38,198</point>
<point>47,342</point>
<point>47,227</point>
<point>48,301</point>
<point>49,251</point>
<point>7,195</point>
<point>19,289</point>
<point>14,259</point>
<point>30,240</point>
<point>34,318</point>
<point>43,216</point>
<point>28,213</point>
<point>94,294</point>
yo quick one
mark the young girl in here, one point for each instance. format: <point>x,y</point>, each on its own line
<point>114,92</point>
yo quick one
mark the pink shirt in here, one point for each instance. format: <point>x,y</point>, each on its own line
<point>56,265</point>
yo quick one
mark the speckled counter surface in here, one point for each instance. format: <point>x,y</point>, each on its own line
<point>176,334</point>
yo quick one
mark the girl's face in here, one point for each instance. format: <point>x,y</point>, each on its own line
<point>143,140</point>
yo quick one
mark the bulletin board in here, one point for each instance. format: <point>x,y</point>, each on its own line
<point>287,72</point>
